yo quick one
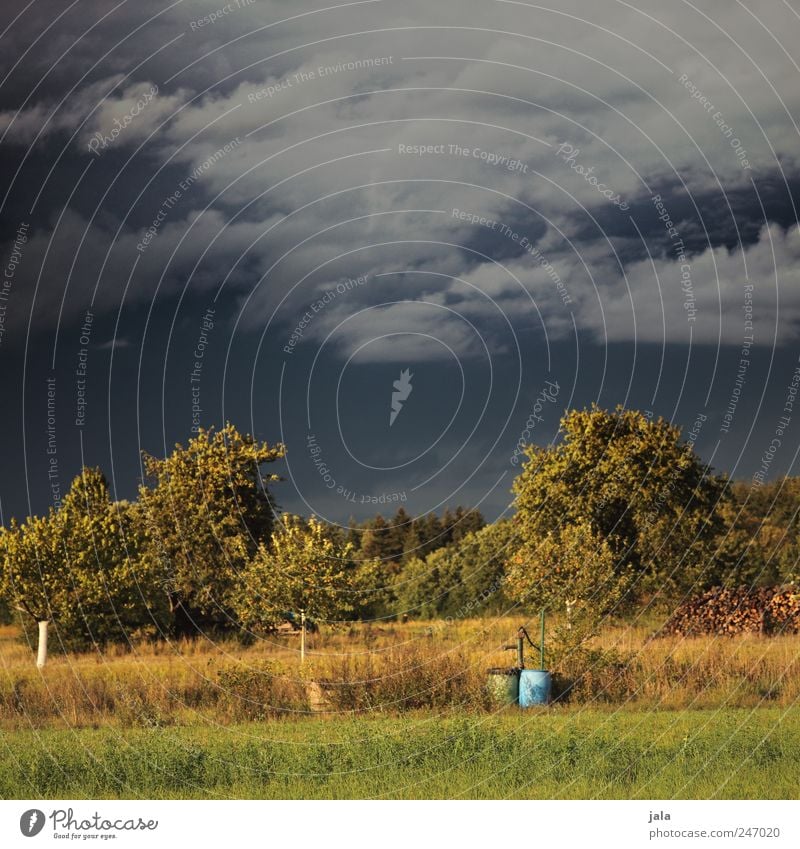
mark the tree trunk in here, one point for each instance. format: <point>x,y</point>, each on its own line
<point>41,657</point>
<point>182,624</point>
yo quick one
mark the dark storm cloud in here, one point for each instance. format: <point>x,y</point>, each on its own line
<point>484,167</point>
<point>634,119</point>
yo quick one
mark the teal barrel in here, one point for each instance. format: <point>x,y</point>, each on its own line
<point>534,687</point>
<point>503,685</point>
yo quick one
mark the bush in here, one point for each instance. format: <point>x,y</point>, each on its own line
<point>259,691</point>
<point>405,679</point>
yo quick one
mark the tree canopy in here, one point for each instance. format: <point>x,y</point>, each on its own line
<point>305,568</point>
<point>634,487</point>
<point>79,566</point>
<point>205,513</point>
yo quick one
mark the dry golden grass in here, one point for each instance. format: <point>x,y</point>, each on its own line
<point>389,669</point>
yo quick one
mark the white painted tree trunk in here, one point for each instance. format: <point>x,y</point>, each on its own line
<point>41,657</point>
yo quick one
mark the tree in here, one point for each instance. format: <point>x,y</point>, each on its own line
<point>430,531</point>
<point>307,569</point>
<point>761,546</point>
<point>412,542</point>
<point>404,537</point>
<point>112,593</point>
<point>204,517</point>
<point>398,536</point>
<point>79,567</point>
<point>422,588</point>
<point>379,541</point>
<point>629,483</point>
<point>465,522</point>
<point>571,569</point>
<point>483,558</point>
<point>460,580</point>
<point>33,576</point>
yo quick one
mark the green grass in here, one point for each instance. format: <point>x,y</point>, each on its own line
<point>565,754</point>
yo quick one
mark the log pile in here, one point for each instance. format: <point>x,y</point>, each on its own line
<point>726,611</point>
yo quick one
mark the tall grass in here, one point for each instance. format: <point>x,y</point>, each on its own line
<point>364,670</point>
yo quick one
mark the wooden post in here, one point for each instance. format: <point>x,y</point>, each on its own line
<point>541,642</point>
<point>302,636</point>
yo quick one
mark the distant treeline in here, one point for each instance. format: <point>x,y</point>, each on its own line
<point>396,540</point>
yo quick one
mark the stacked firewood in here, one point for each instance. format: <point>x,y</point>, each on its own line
<point>738,610</point>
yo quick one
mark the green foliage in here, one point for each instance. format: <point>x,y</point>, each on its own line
<point>570,569</point>
<point>404,537</point>
<point>639,496</point>
<point>619,510</point>
<point>204,518</point>
<point>379,542</point>
<point>79,567</point>
<point>463,579</point>
<point>483,558</point>
<point>761,546</point>
<point>420,590</point>
<point>33,576</point>
<point>304,568</point>
<point>112,592</point>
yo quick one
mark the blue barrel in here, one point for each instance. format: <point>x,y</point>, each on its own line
<point>534,687</point>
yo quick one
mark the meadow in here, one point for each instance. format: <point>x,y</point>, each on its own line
<point>730,753</point>
<point>401,711</point>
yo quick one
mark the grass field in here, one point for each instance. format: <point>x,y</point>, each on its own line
<point>693,754</point>
<point>401,711</point>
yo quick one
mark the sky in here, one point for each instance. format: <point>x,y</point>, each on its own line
<point>400,238</point>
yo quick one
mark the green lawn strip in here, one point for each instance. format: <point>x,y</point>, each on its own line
<point>694,754</point>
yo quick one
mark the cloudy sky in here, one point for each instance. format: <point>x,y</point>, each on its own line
<point>266,212</point>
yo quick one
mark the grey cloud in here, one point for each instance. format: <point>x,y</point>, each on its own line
<point>301,104</point>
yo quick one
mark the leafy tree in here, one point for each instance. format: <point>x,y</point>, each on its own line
<point>204,517</point>
<point>630,483</point>
<point>483,557</point>
<point>574,569</point>
<point>464,522</point>
<point>422,588</point>
<point>374,540</point>
<point>401,525</point>
<point>307,569</point>
<point>79,568</point>
<point>741,557</point>
<point>762,542</point>
<point>112,592</point>
<point>353,534</point>
<point>404,537</point>
<point>412,542</point>
<point>33,579</point>
<point>430,533</point>
<point>460,580</point>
